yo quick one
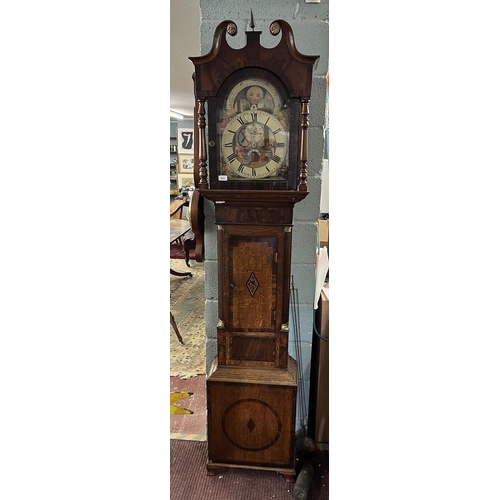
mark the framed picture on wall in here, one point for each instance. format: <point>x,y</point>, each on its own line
<point>185,140</point>
<point>186,164</point>
<point>185,180</point>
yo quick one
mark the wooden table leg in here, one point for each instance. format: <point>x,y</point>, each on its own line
<point>176,330</point>
<point>177,273</point>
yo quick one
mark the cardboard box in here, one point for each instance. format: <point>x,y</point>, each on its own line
<point>323,233</point>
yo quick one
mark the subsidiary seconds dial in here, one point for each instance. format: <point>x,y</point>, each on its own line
<point>254,145</point>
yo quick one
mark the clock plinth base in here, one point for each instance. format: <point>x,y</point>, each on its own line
<point>251,418</point>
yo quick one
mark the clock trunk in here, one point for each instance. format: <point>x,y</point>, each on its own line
<point>252,284</point>
<point>252,385</point>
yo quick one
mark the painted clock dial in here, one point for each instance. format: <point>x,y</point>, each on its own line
<point>254,145</point>
<point>253,132</point>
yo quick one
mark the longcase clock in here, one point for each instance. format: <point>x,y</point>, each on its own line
<point>251,139</point>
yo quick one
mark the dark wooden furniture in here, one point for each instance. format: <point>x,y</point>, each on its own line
<point>176,329</point>
<point>178,228</point>
<point>188,243</point>
<point>197,220</point>
<point>254,170</point>
<point>176,207</point>
<point>193,239</point>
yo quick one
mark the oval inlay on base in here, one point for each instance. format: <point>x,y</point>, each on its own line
<point>251,424</point>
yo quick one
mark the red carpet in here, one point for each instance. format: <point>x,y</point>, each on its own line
<point>176,252</point>
<point>190,427</point>
<point>188,479</point>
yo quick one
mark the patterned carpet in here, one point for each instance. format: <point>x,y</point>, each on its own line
<point>187,304</point>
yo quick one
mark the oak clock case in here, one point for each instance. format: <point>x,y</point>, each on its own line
<point>252,103</point>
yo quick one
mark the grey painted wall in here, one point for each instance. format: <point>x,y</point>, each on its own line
<point>310,25</point>
<point>175,124</point>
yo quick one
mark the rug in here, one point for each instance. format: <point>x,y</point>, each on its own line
<point>176,252</point>
<point>187,304</point>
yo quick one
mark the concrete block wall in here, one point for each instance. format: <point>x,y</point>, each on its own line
<point>309,22</point>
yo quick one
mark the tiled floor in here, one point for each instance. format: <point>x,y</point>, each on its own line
<point>190,427</point>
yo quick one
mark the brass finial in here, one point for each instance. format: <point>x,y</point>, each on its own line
<point>232,29</point>
<point>274,28</point>
<point>252,22</point>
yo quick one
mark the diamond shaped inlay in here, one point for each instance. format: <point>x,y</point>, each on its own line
<point>251,425</point>
<point>252,284</point>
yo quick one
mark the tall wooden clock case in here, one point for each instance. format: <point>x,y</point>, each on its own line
<point>252,107</point>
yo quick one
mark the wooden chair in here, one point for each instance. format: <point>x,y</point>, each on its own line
<point>176,208</point>
<point>188,241</point>
<point>176,330</point>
